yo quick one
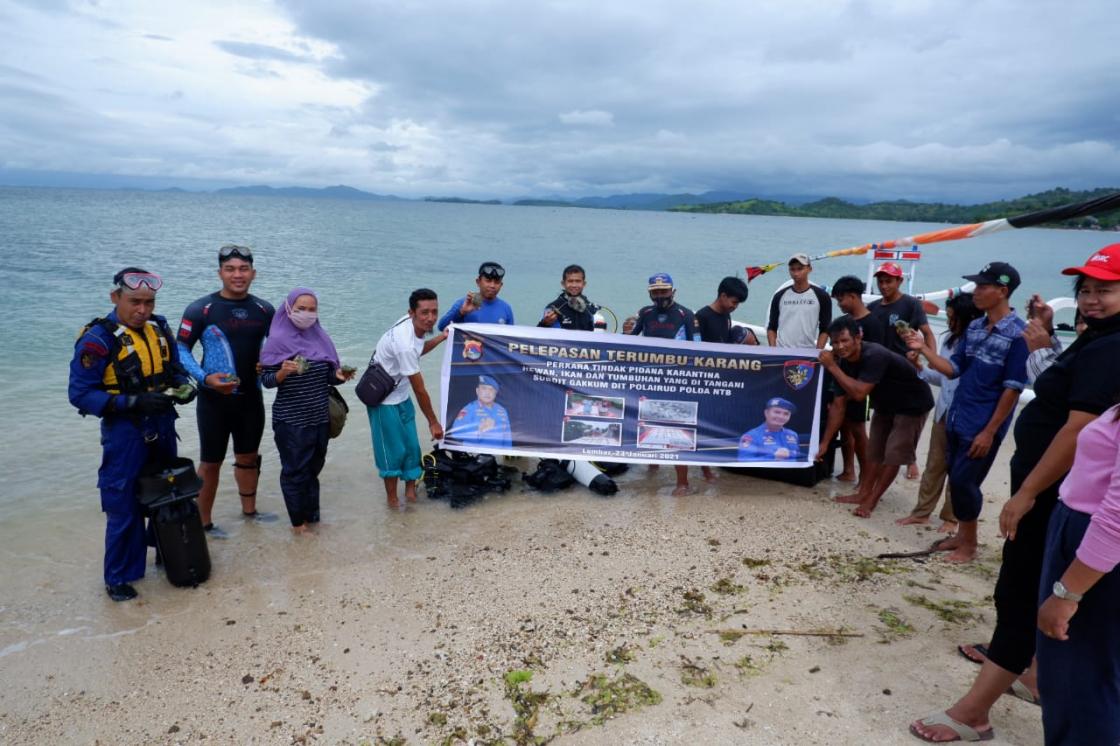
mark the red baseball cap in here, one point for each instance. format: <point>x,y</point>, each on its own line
<point>889,268</point>
<point>1103,265</point>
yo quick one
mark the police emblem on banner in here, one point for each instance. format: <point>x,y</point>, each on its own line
<point>472,349</point>
<point>798,373</point>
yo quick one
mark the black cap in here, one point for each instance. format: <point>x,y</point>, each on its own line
<point>997,273</point>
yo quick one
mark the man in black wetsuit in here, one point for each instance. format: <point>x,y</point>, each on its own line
<point>229,408</point>
<point>667,319</point>
<point>714,319</point>
<point>571,310</point>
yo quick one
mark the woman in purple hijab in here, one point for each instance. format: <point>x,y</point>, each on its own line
<point>299,360</point>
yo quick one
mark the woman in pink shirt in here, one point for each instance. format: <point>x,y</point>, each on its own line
<point>1078,645</point>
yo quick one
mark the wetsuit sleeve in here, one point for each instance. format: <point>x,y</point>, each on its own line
<point>451,315</point>
<point>188,363</point>
<point>639,325</point>
<point>190,331</point>
<point>87,368</point>
<point>268,376</point>
<point>775,302</point>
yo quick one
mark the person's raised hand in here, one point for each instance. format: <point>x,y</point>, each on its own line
<point>1036,335</point>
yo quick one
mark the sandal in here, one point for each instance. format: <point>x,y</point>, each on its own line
<point>1023,692</point>
<point>980,649</point>
<point>964,732</point>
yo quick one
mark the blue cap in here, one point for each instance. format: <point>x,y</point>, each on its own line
<point>778,401</point>
<point>488,381</point>
<point>661,281</point>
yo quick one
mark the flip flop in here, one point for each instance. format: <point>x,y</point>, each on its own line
<point>964,732</point>
<point>1023,692</point>
<point>980,648</point>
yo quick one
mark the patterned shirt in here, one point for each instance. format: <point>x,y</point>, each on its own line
<point>301,399</point>
<point>987,361</point>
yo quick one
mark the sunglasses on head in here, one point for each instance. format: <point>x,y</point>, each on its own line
<point>493,271</point>
<point>233,251</point>
<point>137,280</point>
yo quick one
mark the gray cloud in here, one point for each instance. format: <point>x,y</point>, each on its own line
<point>959,100</point>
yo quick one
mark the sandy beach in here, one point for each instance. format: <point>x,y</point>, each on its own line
<point>640,618</point>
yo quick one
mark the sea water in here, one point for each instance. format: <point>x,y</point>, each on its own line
<point>61,247</point>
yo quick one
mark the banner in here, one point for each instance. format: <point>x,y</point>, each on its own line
<point>528,391</point>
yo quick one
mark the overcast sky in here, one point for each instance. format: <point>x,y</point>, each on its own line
<point>959,100</point>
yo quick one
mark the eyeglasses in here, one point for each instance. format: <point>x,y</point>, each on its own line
<point>232,250</point>
<point>136,280</point>
<point>493,271</point>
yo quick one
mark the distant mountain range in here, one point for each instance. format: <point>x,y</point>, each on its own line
<point>730,202</point>
<point>334,192</point>
<point>654,201</point>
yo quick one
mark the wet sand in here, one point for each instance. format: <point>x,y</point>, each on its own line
<point>404,624</point>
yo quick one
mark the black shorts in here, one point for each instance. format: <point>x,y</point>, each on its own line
<point>221,416</point>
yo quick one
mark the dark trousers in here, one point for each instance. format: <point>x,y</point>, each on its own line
<point>125,450</point>
<point>303,450</point>
<point>1016,593</point>
<point>1079,678</point>
<point>966,475</point>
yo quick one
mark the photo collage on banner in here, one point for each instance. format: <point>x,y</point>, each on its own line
<point>530,391</point>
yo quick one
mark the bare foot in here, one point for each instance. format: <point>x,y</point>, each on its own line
<point>410,496</point>
<point>943,733</point>
<point>393,502</point>
<point>682,490</point>
<point>709,475</point>
<point>300,530</point>
<point>913,520</point>
<point>912,472</point>
<point>961,555</point>
<point>846,476</point>
<point>947,527</point>
<point>948,544</point>
<point>864,509</point>
<point>853,499</point>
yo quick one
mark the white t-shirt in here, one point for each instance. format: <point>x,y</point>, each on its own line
<point>799,318</point>
<point>398,351</point>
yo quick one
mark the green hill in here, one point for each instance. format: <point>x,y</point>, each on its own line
<point>918,212</point>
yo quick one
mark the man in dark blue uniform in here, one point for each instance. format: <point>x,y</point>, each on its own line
<point>668,319</point>
<point>483,422</point>
<point>122,364</point>
<point>772,440</point>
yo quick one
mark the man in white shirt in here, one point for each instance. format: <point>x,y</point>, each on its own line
<point>799,313</point>
<point>392,424</point>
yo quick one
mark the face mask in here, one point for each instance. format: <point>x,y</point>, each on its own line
<point>303,319</point>
<point>663,303</point>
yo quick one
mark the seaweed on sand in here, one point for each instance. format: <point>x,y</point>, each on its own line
<point>609,697</point>
<point>952,610</point>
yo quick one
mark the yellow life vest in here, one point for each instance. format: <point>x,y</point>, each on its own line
<point>141,362</point>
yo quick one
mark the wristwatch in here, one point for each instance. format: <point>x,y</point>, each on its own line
<point>1062,592</point>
